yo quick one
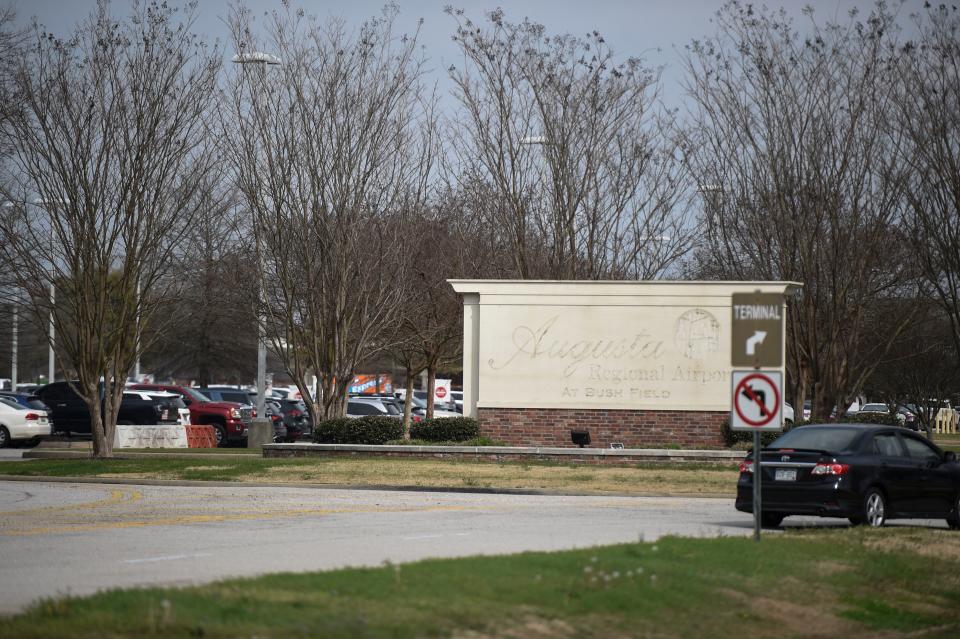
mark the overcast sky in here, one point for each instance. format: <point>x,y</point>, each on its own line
<point>656,30</point>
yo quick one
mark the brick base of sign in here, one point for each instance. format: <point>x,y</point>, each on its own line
<point>632,428</point>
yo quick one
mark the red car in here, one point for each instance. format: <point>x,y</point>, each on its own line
<point>229,419</point>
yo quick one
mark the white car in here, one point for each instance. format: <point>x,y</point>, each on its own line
<point>787,413</point>
<point>420,405</point>
<point>20,422</point>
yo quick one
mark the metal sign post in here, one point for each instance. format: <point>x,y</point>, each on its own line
<point>757,475</point>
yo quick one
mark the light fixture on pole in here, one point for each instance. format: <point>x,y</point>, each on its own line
<point>265,59</point>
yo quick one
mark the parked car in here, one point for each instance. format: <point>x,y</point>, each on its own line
<point>229,419</point>
<point>909,415</point>
<point>286,392</point>
<point>173,401</point>
<point>866,473</point>
<point>880,409</point>
<point>275,414</point>
<point>457,397</point>
<point>19,422</point>
<point>420,399</point>
<point>70,414</point>
<point>27,400</point>
<point>419,409</point>
<point>228,394</point>
<point>360,406</point>
<point>788,413</point>
<point>296,417</point>
<point>248,400</point>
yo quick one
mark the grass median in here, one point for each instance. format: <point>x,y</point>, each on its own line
<point>654,478</point>
<point>818,583</point>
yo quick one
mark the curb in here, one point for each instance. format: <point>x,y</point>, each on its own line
<point>86,454</point>
<point>315,486</point>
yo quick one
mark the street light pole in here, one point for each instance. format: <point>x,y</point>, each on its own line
<point>51,329</point>
<point>13,347</point>
<point>264,59</point>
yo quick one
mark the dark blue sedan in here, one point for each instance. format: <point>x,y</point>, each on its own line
<point>866,473</point>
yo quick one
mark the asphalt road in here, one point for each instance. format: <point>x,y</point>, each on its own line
<point>58,539</point>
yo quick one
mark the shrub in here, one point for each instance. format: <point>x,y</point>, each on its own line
<point>446,429</point>
<point>870,418</point>
<point>738,438</point>
<point>478,441</point>
<point>371,429</point>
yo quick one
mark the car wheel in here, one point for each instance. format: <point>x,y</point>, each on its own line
<point>220,434</point>
<point>770,520</point>
<point>4,437</point>
<point>954,520</point>
<point>874,508</point>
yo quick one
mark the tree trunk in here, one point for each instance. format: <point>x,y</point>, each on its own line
<point>431,381</point>
<point>408,405</point>
<point>102,449</point>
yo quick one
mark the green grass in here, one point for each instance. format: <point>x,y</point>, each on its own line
<point>948,442</point>
<point>848,582</point>
<point>660,478</point>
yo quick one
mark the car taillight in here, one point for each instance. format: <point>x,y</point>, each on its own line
<point>31,416</point>
<point>295,413</point>
<point>746,467</point>
<point>276,418</point>
<point>830,469</point>
<point>417,419</point>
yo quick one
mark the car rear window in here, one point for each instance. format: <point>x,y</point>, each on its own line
<point>829,439</point>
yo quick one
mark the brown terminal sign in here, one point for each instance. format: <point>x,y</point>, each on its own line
<point>757,330</point>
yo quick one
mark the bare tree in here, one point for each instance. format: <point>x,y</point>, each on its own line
<point>109,144</point>
<point>794,153</point>
<point>211,333</point>
<point>589,179</point>
<point>928,104</point>
<point>331,149</point>
<point>920,369</point>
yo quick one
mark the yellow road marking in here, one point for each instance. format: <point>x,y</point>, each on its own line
<point>116,497</point>
<point>195,519</point>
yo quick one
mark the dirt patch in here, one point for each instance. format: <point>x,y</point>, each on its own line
<point>943,545</point>
<point>529,627</point>
<point>799,620</point>
<point>827,568</point>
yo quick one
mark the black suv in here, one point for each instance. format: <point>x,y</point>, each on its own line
<point>70,414</point>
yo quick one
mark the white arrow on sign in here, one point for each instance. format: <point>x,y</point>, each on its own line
<point>752,342</point>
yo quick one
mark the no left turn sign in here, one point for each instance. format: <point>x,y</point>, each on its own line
<point>757,402</point>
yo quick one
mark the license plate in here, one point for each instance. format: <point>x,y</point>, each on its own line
<point>785,474</point>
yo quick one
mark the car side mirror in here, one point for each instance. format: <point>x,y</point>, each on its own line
<point>949,456</point>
